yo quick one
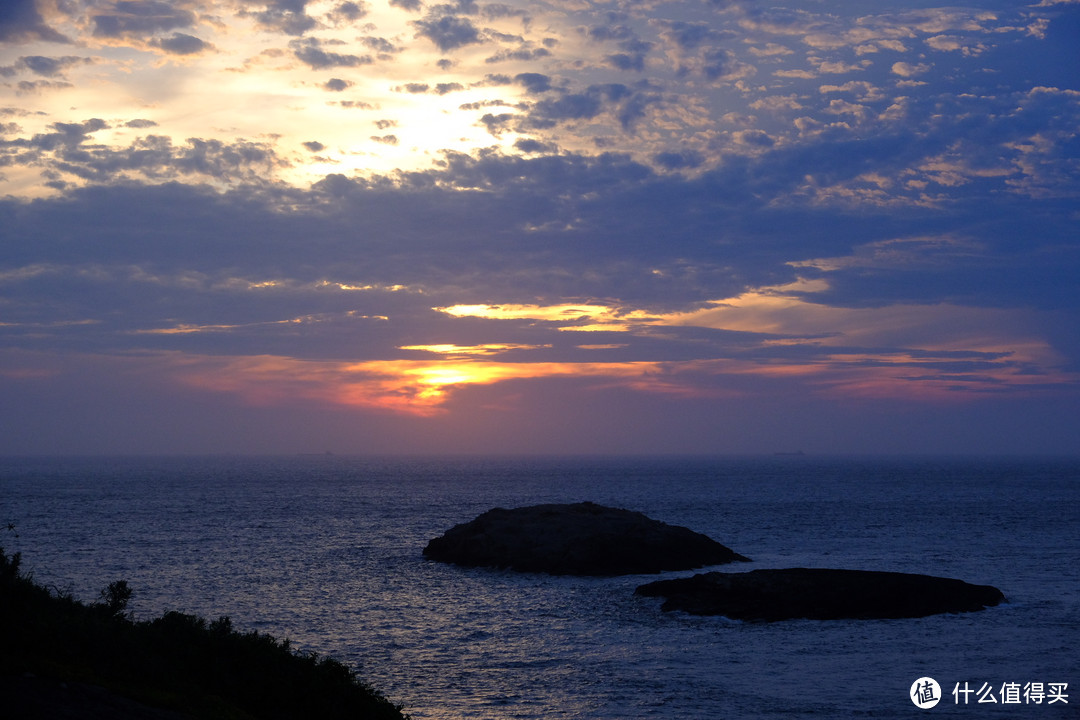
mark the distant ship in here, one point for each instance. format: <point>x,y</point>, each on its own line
<point>796,453</point>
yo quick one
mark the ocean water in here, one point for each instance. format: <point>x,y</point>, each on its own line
<point>326,551</point>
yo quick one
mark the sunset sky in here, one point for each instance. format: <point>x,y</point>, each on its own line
<point>558,226</point>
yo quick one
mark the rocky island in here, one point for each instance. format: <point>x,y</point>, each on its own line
<point>576,539</point>
<point>820,594</point>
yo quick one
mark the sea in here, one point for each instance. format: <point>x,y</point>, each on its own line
<point>327,551</point>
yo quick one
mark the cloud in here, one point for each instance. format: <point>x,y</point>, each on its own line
<point>800,74</point>
<point>911,253</point>
<point>528,145</point>
<point>524,54</point>
<point>258,315</point>
<point>777,103</point>
<point>863,91</point>
<point>634,49</point>
<point>497,124</point>
<point>27,87</point>
<point>809,202</point>
<point>348,12</point>
<point>448,32</point>
<point>696,49</point>
<point>137,18</point>
<point>905,69</point>
<point>692,35</point>
<point>834,67</point>
<point>337,85</point>
<point>359,104</point>
<point>626,103</point>
<point>535,83</point>
<point>955,43</point>
<point>679,160</point>
<point>285,16</point>
<point>49,67</point>
<point>754,138</point>
<point>379,45</point>
<point>67,135</point>
<point>21,22</point>
<point>309,51</point>
<point>65,152</point>
<point>181,44</point>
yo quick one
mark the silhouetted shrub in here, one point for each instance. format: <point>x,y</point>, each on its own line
<point>176,661</point>
<point>115,597</point>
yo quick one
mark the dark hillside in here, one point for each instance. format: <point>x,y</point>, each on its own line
<point>62,658</point>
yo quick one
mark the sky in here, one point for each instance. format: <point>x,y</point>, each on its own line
<point>565,226</point>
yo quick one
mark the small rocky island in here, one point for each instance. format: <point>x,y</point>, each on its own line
<point>820,594</point>
<point>576,539</point>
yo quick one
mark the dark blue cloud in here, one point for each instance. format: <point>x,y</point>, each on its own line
<point>679,160</point>
<point>379,45</point>
<point>634,49</point>
<point>309,51</point>
<point>50,66</point>
<point>125,18</point>
<point>182,44</point>
<point>519,55</point>
<point>152,156</point>
<point>337,85</point>
<point>67,135</point>
<point>448,32</point>
<point>693,35</point>
<point>349,11</point>
<point>528,145</point>
<point>534,82</point>
<point>21,22</point>
<point>286,16</point>
<point>626,103</point>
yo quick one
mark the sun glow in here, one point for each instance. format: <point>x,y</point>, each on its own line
<point>364,99</point>
<point>401,386</point>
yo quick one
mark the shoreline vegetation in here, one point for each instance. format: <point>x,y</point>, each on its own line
<point>65,658</point>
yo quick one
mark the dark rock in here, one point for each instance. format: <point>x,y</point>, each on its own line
<point>820,594</point>
<point>579,539</point>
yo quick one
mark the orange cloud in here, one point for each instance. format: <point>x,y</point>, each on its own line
<point>916,352</point>
<point>579,317</point>
<point>423,388</point>
<point>406,386</point>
